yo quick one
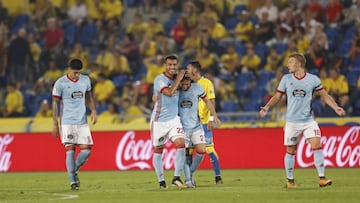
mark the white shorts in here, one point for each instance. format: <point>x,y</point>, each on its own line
<point>195,137</point>
<point>294,130</point>
<point>163,131</point>
<point>76,134</point>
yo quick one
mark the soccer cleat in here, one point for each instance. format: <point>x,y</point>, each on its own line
<point>77,180</point>
<point>177,182</point>
<point>218,180</point>
<point>189,184</point>
<point>74,186</point>
<point>323,182</point>
<point>290,183</point>
<point>163,185</point>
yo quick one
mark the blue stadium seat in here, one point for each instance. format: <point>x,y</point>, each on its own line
<point>242,84</point>
<point>231,22</point>
<point>281,48</point>
<point>264,78</point>
<point>343,48</point>
<point>239,8</point>
<point>88,34</point>
<point>70,30</point>
<point>240,49</point>
<point>119,80</point>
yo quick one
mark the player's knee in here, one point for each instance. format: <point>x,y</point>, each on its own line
<point>201,149</point>
<point>70,147</point>
<point>179,143</point>
<point>158,150</point>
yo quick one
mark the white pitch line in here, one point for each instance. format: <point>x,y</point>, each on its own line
<point>64,196</point>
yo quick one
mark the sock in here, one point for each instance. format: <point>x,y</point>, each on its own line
<point>215,163</point>
<point>319,162</point>
<point>158,165</point>
<point>289,161</point>
<point>179,161</point>
<point>81,159</point>
<point>70,164</point>
<point>196,162</point>
<point>187,173</point>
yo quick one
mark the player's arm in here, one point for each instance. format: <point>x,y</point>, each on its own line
<point>55,130</point>
<point>92,106</point>
<point>170,91</point>
<point>210,103</point>
<point>274,100</point>
<point>329,100</point>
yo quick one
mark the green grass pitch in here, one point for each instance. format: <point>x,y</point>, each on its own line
<point>258,185</point>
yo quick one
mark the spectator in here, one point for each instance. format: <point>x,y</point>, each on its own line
<point>315,10</point>
<point>153,27</point>
<point>216,29</point>
<point>14,102</point>
<point>137,27</point>
<point>179,31</point>
<point>78,12</point>
<point>230,60</point>
<point>208,60</point>
<point>79,53</point>
<point>333,12</point>
<point>148,47</point>
<point>104,90</point>
<point>165,44</point>
<point>112,10</point>
<point>250,61</point>
<point>264,30</point>
<point>4,14</point>
<point>244,29</point>
<point>131,112</point>
<point>339,88</point>
<point>111,112</point>
<point>53,37</point>
<point>273,60</point>
<point>190,47</point>
<point>44,111</point>
<point>46,81</point>
<point>270,9</point>
<point>19,58</point>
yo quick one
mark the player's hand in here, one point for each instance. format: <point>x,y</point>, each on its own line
<point>180,75</point>
<point>217,122</point>
<point>340,111</point>
<point>55,131</point>
<point>263,111</point>
<point>93,117</point>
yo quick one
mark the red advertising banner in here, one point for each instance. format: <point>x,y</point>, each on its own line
<point>132,150</point>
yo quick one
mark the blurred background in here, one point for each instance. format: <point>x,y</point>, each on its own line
<point>242,45</point>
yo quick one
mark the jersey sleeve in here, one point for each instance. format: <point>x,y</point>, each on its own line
<point>282,85</point>
<point>317,84</point>
<point>56,92</point>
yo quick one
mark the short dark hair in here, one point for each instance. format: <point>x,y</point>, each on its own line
<point>75,64</point>
<point>196,65</point>
<point>171,57</point>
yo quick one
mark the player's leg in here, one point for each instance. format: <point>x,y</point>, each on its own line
<point>177,136</point>
<point>291,138</point>
<point>198,139</point>
<point>214,158</point>
<point>179,161</point>
<point>158,140</point>
<point>313,135</point>
<point>70,165</point>
<point>69,139</point>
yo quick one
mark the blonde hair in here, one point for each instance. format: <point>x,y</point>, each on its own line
<point>299,57</point>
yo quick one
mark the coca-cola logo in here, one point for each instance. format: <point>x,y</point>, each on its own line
<point>5,156</point>
<point>339,151</point>
<point>132,153</point>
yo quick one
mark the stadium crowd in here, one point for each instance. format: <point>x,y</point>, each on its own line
<point>242,46</point>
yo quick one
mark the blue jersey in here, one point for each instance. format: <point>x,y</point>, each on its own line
<point>165,107</point>
<point>188,106</point>
<point>299,92</point>
<point>72,96</point>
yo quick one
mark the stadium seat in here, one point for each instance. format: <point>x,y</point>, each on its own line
<point>242,84</point>
<point>119,81</point>
<point>240,49</point>
<point>281,48</point>
<point>344,47</point>
<point>70,31</point>
<point>231,22</point>
<point>88,34</point>
<point>239,8</point>
<point>264,78</point>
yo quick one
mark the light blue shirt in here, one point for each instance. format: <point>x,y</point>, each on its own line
<point>299,92</point>
<point>188,106</point>
<point>72,96</point>
<point>165,107</point>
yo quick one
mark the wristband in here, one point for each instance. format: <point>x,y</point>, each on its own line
<point>211,118</point>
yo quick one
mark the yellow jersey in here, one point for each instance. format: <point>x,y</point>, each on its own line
<point>208,87</point>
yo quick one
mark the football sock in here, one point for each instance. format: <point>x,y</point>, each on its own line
<point>187,173</point>
<point>70,164</point>
<point>289,161</point>
<point>82,158</point>
<point>196,162</point>
<point>158,165</point>
<point>215,163</point>
<point>319,162</point>
<point>179,161</point>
